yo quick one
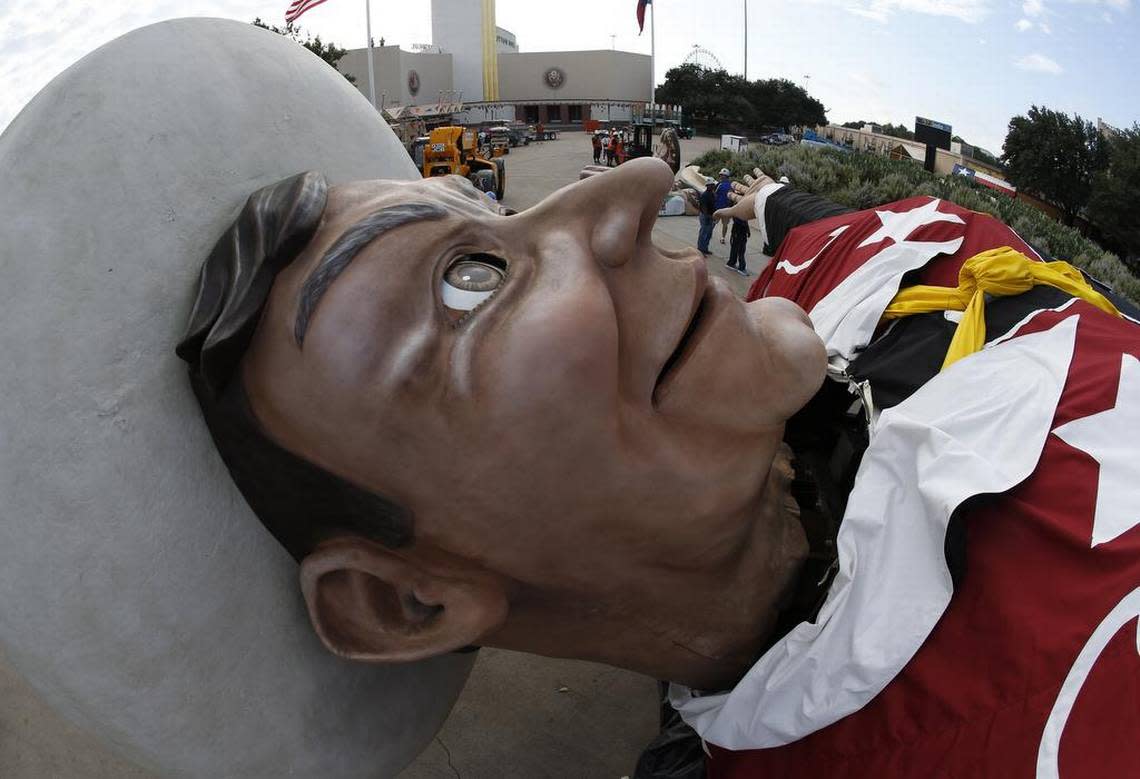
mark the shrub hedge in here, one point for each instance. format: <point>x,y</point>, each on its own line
<point>865,181</point>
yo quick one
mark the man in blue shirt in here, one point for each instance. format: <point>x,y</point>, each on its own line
<point>722,200</point>
<point>708,201</point>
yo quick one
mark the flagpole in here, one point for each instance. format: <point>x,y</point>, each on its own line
<point>745,40</point>
<point>653,58</point>
<point>368,31</point>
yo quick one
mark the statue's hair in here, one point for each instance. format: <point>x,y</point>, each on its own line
<point>299,503</point>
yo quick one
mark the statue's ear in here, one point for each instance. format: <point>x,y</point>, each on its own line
<point>276,224</point>
<point>375,604</point>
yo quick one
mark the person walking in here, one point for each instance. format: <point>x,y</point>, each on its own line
<point>607,146</point>
<point>707,203</point>
<point>596,142</point>
<point>619,150</point>
<point>740,233</point>
<point>722,200</point>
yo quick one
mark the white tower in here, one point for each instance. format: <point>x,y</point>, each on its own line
<point>466,30</point>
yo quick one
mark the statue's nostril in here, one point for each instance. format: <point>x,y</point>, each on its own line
<point>615,238</point>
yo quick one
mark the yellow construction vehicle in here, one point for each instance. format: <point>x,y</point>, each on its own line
<point>455,150</point>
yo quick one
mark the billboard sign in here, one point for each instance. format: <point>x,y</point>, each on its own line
<point>932,133</point>
<point>935,135</point>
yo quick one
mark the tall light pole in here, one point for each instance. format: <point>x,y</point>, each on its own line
<point>745,40</point>
<point>368,32</point>
<point>653,57</point>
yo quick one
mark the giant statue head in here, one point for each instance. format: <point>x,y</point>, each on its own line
<point>535,431</point>
<point>471,428</point>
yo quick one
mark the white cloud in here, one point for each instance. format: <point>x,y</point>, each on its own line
<point>1023,25</point>
<point>1033,7</point>
<point>1038,63</point>
<point>970,11</point>
<point>875,14</point>
<point>1107,17</point>
<point>39,38</point>
<point>1045,28</point>
<point>1114,5</point>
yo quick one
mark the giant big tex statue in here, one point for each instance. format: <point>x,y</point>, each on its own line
<point>878,520</point>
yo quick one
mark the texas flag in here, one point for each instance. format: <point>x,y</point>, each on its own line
<point>641,14</point>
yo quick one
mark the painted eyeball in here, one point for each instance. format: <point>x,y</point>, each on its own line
<point>471,280</point>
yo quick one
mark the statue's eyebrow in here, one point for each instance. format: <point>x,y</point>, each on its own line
<point>346,247</point>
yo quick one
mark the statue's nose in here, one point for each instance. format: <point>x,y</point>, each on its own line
<point>619,207</point>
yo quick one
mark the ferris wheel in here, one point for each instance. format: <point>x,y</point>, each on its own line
<point>703,58</point>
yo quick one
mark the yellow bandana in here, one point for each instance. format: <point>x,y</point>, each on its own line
<point>997,272</point>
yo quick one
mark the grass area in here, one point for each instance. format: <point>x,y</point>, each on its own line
<point>866,180</point>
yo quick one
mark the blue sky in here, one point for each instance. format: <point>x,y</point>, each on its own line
<point>971,63</point>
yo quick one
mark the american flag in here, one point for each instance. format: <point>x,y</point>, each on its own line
<point>298,7</point>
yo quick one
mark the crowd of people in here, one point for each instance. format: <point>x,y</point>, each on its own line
<point>610,147</point>
<point>714,198</point>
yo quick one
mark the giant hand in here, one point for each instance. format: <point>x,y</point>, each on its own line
<point>743,196</point>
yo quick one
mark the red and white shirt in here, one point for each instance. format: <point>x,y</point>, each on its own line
<point>1031,666</point>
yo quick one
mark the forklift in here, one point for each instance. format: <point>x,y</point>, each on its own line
<point>641,142</point>
<point>455,151</point>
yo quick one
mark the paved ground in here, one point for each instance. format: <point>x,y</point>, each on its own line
<point>520,716</point>
<point>535,171</point>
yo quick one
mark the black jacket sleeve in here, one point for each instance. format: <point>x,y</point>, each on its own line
<point>787,208</point>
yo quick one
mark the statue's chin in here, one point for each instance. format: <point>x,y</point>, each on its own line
<point>798,358</point>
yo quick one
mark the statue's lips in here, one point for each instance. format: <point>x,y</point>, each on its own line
<point>711,296</point>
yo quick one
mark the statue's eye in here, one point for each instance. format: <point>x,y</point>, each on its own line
<point>471,280</point>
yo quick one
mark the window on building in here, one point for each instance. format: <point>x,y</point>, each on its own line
<point>531,114</point>
<point>575,113</point>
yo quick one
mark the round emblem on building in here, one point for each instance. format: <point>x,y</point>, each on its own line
<point>554,78</point>
<point>413,83</point>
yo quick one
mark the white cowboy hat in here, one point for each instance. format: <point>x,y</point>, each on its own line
<point>724,172</point>
<point>138,592</point>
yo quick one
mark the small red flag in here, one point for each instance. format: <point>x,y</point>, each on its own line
<point>298,7</point>
<point>641,14</point>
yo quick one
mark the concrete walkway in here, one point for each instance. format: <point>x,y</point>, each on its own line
<point>535,171</point>
<point>520,715</point>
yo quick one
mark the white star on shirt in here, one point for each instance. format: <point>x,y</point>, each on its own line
<point>899,226</point>
<point>1109,437</point>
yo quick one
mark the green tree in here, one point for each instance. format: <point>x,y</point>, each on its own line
<point>711,96</point>
<point>1055,156</point>
<point>893,130</point>
<point>329,52</point>
<point>1116,192</point>
<point>982,155</point>
<point>778,102</point>
<point>898,131</point>
<point>717,97</point>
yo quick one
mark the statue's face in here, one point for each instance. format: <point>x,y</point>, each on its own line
<point>598,434</point>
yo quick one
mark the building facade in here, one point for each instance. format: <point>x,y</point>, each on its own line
<point>402,77</point>
<point>466,30</point>
<point>473,61</point>
<point>868,139</point>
